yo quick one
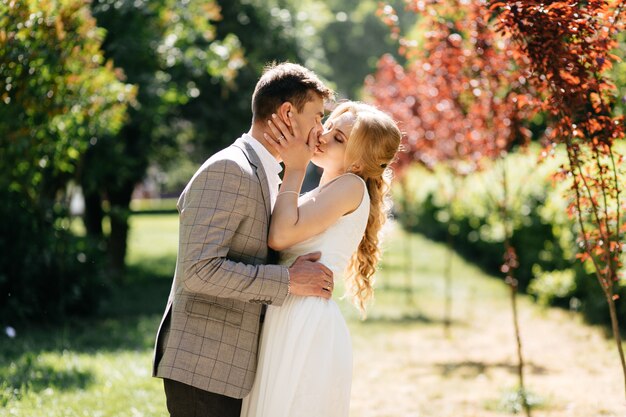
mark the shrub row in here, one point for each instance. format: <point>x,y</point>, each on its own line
<point>465,211</point>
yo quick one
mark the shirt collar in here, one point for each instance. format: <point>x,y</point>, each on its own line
<point>270,164</point>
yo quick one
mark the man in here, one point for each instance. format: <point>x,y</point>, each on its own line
<point>206,347</point>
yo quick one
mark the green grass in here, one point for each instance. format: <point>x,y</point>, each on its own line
<point>102,366</point>
<point>409,284</point>
<point>99,366</point>
<point>157,205</point>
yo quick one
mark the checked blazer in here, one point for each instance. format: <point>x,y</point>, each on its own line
<point>209,334</point>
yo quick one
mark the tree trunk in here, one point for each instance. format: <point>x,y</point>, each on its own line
<point>616,333</point>
<point>447,271</point>
<point>518,338</point>
<point>447,274</point>
<point>117,244</point>
<point>408,266</point>
<point>93,214</point>
<point>509,266</point>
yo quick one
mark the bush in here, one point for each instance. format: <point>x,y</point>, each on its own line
<point>60,97</point>
<point>46,272</point>
<point>544,236</point>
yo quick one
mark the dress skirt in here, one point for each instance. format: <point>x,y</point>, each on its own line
<point>305,362</point>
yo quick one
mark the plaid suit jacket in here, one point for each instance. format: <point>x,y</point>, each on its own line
<point>209,334</point>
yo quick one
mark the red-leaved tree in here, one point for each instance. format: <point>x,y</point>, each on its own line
<point>568,46</point>
<point>461,100</point>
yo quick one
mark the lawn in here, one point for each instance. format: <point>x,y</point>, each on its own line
<point>405,364</point>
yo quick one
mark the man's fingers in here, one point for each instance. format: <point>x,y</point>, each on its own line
<point>326,294</point>
<point>326,271</point>
<point>311,256</point>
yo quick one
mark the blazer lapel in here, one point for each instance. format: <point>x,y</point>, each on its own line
<point>260,172</point>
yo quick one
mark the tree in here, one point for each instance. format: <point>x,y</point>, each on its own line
<point>581,98</point>
<point>341,40</point>
<point>354,40</point>
<point>461,100</point>
<point>167,49</point>
<point>221,113</point>
<point>58,95</point>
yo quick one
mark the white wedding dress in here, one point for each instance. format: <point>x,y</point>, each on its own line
<point>305,357</point>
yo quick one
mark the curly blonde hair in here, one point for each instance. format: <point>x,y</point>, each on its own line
<point>371,147</point>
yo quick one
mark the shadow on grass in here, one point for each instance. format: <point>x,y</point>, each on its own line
<point>128,319</point>
<point>407,319</point>
<point>472,369</point>
<point>29,373</point>
<point>145,289</point>
<point>390,287</point>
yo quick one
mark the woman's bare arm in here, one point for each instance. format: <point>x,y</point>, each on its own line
<point>292,224</point>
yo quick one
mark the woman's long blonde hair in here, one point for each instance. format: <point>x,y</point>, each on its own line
<point>372,145</point>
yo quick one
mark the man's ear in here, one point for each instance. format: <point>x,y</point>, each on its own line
<point>283,111</point>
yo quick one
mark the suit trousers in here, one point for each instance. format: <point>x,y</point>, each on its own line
<point>186,401</point>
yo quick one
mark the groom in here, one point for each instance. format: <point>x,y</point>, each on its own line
<point>206,346</point>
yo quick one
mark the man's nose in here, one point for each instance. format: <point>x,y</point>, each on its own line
<point>325,132</point>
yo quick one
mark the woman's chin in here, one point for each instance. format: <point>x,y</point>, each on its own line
<point>316,160</point>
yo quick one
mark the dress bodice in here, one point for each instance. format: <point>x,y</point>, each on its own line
<point>338,242</point>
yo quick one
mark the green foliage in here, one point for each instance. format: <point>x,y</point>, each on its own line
<point>512,401</point>
<point>544,235</point>
<point>57,92</point>
<point>547,286</point>
<point>58,95</point>
<point>618,75</point>
<point>354,41</point>
<point>168,49</point>
<point>222,112</point>
<point>343,40</point>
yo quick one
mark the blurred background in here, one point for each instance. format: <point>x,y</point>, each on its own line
<point>108,108</point>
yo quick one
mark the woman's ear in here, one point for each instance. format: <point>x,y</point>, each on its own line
<point>355,168</point>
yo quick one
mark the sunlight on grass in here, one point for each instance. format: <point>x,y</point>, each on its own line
<point>152,237</point>
<point>409,283</point>
<point>103,368</point>
<point>98,367</point>
<point>120,385</point>
<point>403,363</point>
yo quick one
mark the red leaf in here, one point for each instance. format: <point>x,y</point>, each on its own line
<point>496,6</point>
<point>582,256</point>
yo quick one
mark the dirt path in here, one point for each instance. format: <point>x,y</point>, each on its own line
<point>407,367</point>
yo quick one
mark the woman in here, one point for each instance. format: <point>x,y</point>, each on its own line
<point>305,358</point>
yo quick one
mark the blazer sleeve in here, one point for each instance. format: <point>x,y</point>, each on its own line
<point>212,209</point>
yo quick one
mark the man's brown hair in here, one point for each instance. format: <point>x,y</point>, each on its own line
<point>286,82</point>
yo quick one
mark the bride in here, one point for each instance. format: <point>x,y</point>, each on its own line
<point>305,357</point>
